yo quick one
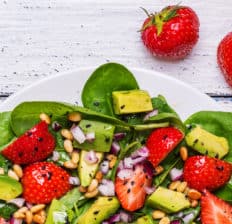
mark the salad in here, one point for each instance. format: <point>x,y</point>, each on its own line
<point>122,157</point>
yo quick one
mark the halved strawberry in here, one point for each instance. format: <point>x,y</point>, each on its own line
<point>161,142</point>
<point>35,145</point>
<point>204,172</point>
<point>44,181</point>
<point>131,192</point>
<point>214,210</point>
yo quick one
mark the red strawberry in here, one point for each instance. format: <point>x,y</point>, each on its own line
<point>35,145</point>
<point>224,57</point>
<point>161,142</point>
<point>131,192</point>
<point>203,172</point>
<point>214,210</point>
<point>44,181</point>
<point>171,33</point>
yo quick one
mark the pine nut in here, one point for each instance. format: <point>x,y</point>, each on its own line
<point>110,157</point>
<point>91,194</point>
<point>194,203</point>
<point>75,157</point>
<point>22,210</point>
<point>99,176</point>
<point>112,162</point>
<point>74,116</point>
<point>19,215</point>
<point>68,145</point>
<point>93,185</point>
<point>67,134</point>
<point>13,175</point>
<point>29,217</point>
<point>82,189</point>
<point>39,219</point>
<point>174,185</point>
<point>45,117</point>
<point>1,170</point>
<point>70,165</point>
<point>194,194</point>
<point>159,170</point>
<point>41,213</point>
<point>183,153</point>
<point>37,208</point>
<point>164,220</point>
<point>186,191</point>
<point>157,214</point>
<point>18,170</point>
<point>181,188</point>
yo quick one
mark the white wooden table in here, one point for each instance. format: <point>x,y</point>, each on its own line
<point>41,38</point>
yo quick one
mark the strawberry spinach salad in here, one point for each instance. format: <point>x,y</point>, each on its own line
<point>122,157</point>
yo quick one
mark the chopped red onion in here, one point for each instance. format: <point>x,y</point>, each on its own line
<point>78,134</point>
<point>55,156</point>
<point>120,165</point>
<point>125,173</point>
<point>150,114</point>
<point>149,190</point>
<point>138,160</point>
<point>188,218</point>
<point>114,218</point>
<point>56,126</point>
<point>29,205</point>
<point>91,157</point>
<point>142,152</point>
<point>18,202</point>
<point>74,181</point>
<point>119,136</point>
<point>104,167</point>
<point>175,222</point>
<point>16,221</point>
<point>125,217</point>
<point>128,163</point>
<point>115,148</point>
<point>176,174</point>
<point>90,137</point>
<point>106,188</point>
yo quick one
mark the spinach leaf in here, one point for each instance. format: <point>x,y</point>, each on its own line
<point>5,163</point>
<point>71,198</point>
<point>218,123</point>
<point>96,94</point>
<point>5,129</point>
<point>26,115</point>
<point>225,192</point>
<point>7,209</point>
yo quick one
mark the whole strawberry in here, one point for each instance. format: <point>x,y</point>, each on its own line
<point>35,145</point>
<point>171,33</point>
<point>161,142</point>
<point>224,57</point>
<point>44,181</point>
<point>203,172</point>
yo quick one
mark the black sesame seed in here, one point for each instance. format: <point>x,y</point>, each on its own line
<point>96,103</point>
<point>123,106</point>
<point>88,125</point>
<point>128,191</point>
<point>95,212</point>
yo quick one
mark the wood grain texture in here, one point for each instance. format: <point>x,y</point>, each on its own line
<point>42,38</point>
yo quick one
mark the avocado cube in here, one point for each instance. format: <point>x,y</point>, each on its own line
<point>207,143</point>
<point>144,220</point>
<point>10,188</point>
<point>103,135</point>
<point>168,201</point>
<point>131,101</point>
<point>87,171</point>
<point>100,210</point>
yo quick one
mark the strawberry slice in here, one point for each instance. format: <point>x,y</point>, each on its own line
<point>35,145</point>
<point>161,142</point>
<point>214,210</point>
<point>44,181</point>
<point>204,172</point>
<point>131,191</point>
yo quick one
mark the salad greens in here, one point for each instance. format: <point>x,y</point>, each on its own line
<point>133,130</point>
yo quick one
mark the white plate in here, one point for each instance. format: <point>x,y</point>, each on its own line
<point>67,87</point>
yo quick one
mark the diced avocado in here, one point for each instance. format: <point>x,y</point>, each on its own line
<point>56,213</point>
<point>87,171</point>
<point>168,201</point>
<point>207,143</point>
<point>131,101</point>
<point>144,220</point>
<point>10,188</point>
<point>103,135</point>
<point>100,210</point>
